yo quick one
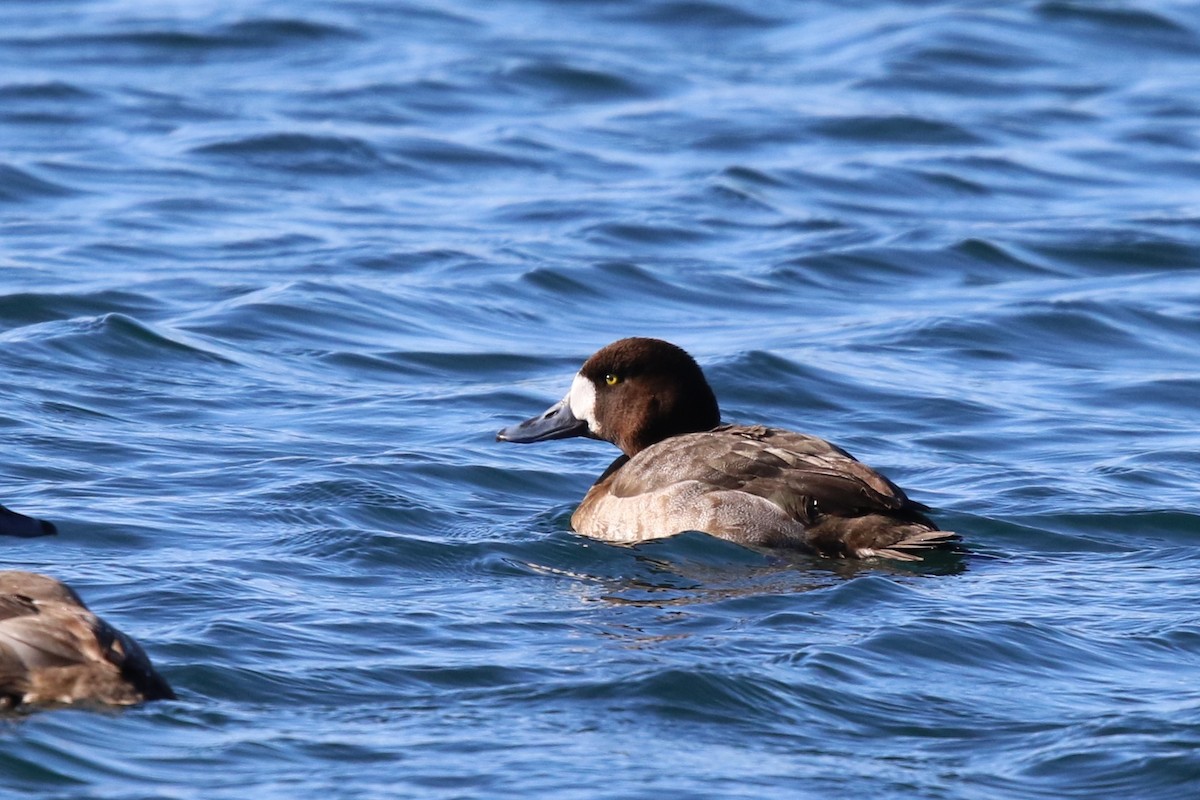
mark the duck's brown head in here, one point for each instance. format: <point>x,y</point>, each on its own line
<point>633,393</point>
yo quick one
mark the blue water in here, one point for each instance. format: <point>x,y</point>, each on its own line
<point>272,275</point>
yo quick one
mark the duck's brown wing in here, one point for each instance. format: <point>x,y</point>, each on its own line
<point>37,641</point>
<point>768,462</point>
<point>15,605</point>
<point>843,506</point>
<point>54,650</point>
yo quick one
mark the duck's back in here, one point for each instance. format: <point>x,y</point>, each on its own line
<point>758,486</point>
<point>54,650</point>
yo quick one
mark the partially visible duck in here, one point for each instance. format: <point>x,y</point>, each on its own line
<point>14,524</point>
<point>53,650</point>
<point>682,470</point>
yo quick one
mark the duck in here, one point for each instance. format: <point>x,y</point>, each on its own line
<point>14,524</point>
<point>55,651</point>
<point>681,469</point>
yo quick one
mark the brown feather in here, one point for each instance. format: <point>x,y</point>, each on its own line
<point>825,500</point>
<point>53,650</point>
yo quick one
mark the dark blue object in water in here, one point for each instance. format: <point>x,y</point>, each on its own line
<point>14,524</point>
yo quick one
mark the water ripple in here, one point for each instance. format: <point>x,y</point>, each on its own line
<point>274,278</point>
<point>18,185</point>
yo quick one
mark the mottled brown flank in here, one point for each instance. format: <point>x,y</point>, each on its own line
<point>758,486</point>
<point>54,650</point>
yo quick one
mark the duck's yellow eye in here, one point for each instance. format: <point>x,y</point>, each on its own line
<point>611,380</point>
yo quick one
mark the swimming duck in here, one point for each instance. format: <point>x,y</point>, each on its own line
<point>682,470</point>
<point>14,524</point>
<point>53,650</point>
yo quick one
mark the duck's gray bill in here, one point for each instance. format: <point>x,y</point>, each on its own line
<point>556,423</point>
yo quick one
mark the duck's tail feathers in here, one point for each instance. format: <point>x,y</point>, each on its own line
<point>911,547</point>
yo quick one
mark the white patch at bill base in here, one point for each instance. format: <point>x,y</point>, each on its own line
<point>582,401</point>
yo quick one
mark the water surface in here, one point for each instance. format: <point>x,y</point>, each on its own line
<point>273,276</point>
